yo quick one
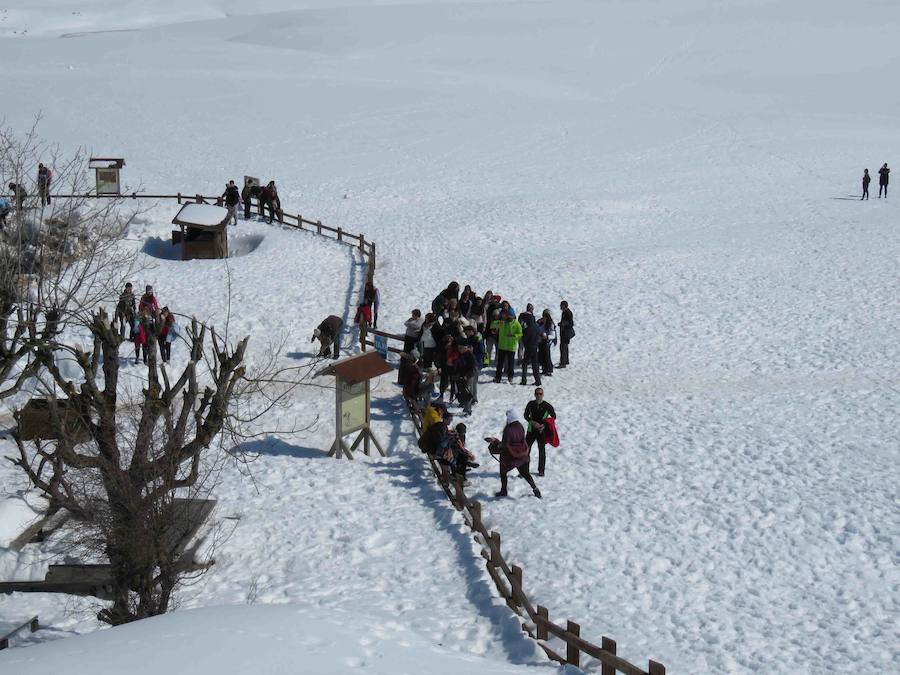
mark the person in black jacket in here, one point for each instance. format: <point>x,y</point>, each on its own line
<point>329,333</point>
<point>531,339</point>
<point>250,190</point>
<point>566,333</point>
<point>866,180</point>
<point>536,412</point>
<point>232,198</point>
<point>883,174</point>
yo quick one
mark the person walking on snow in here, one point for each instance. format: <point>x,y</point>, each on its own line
<point>531,339</point>
<point>536,414</point>
<point>883,174</point>
<point>232,199</point>
<point>148,302</point>
<point>43,182</point>
<point>866,180</point>
<point>514,453</point>
<point>250,190</point>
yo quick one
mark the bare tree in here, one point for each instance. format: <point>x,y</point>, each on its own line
<point>117,465</point>
<point>58,261</point>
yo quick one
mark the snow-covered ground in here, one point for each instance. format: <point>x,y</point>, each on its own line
<point>686,174</point>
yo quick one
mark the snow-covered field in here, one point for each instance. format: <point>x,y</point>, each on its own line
<point>683,173</point>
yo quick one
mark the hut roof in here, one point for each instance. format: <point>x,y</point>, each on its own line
<point>201,215</point>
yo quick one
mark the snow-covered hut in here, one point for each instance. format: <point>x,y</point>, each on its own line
<point>203,232</point>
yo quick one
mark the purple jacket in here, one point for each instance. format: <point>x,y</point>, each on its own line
<point>514,449</point>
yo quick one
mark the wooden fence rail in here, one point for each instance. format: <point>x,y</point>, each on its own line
<point>297,221</point>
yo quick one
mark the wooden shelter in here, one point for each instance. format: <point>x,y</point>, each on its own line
<point>203,234</point>
<point>35,421</point>
<point>352,400</point>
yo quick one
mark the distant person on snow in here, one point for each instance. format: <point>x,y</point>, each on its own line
<point>883,174</point>
<point>43,182</point>
<point>126,311</point>
<point>148,302</point>
<point>268,197</point>
<point>19,194</point>
<point>250,190</point>
<point>372,298</point>
<point>328,334</point>
<point>232,198</point>
<point>866,180</point>
<point>566,333</point>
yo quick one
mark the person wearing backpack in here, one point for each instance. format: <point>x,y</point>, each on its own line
<point>43,182</point>
<point>514,453</point>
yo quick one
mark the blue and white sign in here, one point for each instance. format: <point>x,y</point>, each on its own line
<point>381,346</point>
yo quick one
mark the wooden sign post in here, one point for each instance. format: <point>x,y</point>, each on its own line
<point>352,401</point>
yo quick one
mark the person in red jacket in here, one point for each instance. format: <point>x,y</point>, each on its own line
<point>514,453</point>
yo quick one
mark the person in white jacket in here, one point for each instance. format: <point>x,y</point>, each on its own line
<point>413,328</point>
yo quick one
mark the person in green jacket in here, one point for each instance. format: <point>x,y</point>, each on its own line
<point>508,336</point>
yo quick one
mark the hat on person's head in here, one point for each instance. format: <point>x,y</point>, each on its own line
<point>128,285</point>
<point>511,312</point>
<point>469,327</point>
<point>148,288</point>
<point>512,415</point>
<point>316,332</point>
<point>461,429</point>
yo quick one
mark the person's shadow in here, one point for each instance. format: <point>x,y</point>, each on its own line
<point>275,447</point>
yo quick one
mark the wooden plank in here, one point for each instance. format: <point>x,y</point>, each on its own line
<point>656,668</point>
<point>544,613</point>
<point>620,664</point>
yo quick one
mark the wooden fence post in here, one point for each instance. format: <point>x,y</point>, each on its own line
<point>362,243</point>
<point>318,227</point>
<point>608,645</point>
<point>179,197</point>
<point>656,668</point>
<point>516,583</point>
<point>475,508</point>
<point>340,234</point>
<point>543,613</point>
<point>494,546</point>
<point>458,493</point>
<point>573,656</point>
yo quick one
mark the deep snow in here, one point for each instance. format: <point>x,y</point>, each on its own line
<point>686,174</point>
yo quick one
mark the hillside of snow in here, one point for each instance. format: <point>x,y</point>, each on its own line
<point>686,174</point>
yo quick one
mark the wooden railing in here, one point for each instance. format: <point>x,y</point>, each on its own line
<point>298,221</point>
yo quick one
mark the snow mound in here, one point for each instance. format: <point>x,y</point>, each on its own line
<point>250,639</point>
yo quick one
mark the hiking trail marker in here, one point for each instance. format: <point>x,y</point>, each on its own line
<point>352,402</point>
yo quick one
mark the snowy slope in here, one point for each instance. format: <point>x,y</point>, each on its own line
<point>725,498</point>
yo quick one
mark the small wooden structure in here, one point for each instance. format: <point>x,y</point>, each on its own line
<point>35,421</point>
<point>107,173</point>
<point>203,234</point>
<point>352,400</point>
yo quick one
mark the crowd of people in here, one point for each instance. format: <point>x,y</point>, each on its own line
<point>18,193</point>
<point>145,321</point>
<point>445,353</point>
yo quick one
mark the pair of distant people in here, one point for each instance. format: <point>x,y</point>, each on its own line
<point>883,174</point>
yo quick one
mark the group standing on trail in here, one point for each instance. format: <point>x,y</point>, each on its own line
<point>883,178</point>
<point>145,321</point>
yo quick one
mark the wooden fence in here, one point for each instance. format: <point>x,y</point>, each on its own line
<point>297,221</point>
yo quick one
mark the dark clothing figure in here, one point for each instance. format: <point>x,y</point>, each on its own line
<point>268,197</point>
<point>883,174</point>
<point>247,194</point>
<point>866,180</point>
<point>548,338</point>
<point>19,194</point>
<point>329,333</point>
<point>566,333</point>
<point>531,339</point>
<point>43,182</point>
<point>126,310</point>
<point>514,454</point>
<point>535,413</point>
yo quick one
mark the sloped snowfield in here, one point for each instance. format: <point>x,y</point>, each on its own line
<point>686,174</point>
